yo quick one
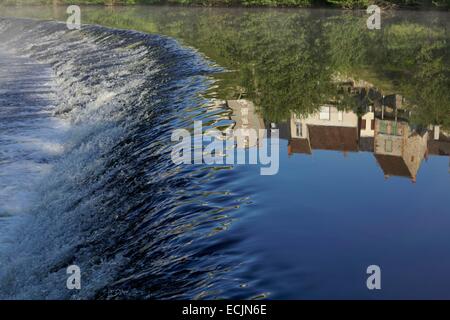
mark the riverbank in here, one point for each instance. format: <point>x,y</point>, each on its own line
<point>141,227</point>
<point>345,4</point>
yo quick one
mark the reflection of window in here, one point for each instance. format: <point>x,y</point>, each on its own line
<point>324,113</point>
<point>383,127</point>
<point>394,128</point>
<point>388,146</point>
<point>372,125</point>
<point>298,129</point>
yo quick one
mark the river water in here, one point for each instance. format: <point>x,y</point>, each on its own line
<point>85,154</point>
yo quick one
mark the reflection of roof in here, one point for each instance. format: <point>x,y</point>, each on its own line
<point>284,129</point>
<point>333,138</point>
<point>393,165</point>
<point>366,144</point>
<point>438,147</point>
<point>297,145</point>
<point>393,100</point>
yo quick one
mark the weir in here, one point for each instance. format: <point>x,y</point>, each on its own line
<point>107,199</point>
<point>29,135</point>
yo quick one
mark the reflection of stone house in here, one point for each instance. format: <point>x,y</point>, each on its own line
<point>247,122</point>
<point>328,129</point>
<point>439,147</point>
<point>398,149</point>
<point>383,129</point>
<point>439,143</point>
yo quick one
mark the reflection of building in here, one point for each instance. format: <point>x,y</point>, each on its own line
<point>398,149</point>
<point>329,129</point>
<point>382,129</point>
<point>439,143</point>
<point>247,122</point>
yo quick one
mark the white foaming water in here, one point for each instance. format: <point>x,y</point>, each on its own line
<point>28,133</point>
<point>117,94</point>
<point>29,136</point>
<point>71,109</point>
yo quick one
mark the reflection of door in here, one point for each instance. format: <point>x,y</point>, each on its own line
<point>363,124</point>
<point>324,113</point>
<point>388,146</point>
<point>298,127</point>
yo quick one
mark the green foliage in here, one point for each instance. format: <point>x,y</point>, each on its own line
<point>274,3</point>
<point>348,4</point>
<point>286,60</point>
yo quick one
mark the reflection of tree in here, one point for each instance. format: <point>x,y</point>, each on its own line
<point>414,59</point>
<point>406,57</point>
<point>422,66</point>
<point>283,63</point>
<point>285,60</point>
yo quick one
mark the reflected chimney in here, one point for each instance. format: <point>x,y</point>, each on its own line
<point>436,132</point>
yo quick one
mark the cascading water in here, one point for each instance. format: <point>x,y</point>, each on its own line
<point>94,118</point>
